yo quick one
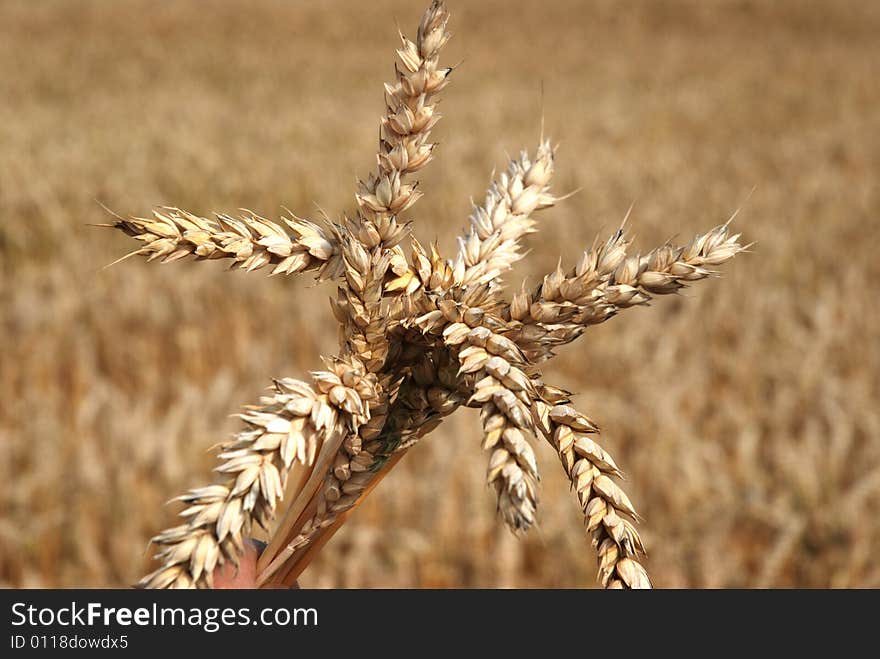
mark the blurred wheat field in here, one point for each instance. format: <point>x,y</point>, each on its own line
<point>744,412</point>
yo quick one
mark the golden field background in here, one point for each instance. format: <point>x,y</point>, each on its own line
<point>744,412</point>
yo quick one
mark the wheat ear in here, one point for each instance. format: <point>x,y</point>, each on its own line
<point>605,281</point>
<point>492,243</point>
<point>373,261</point>
<point>249,242</point>
<point>607,509</point>
<point>292,425</point>
<point>505,395</point>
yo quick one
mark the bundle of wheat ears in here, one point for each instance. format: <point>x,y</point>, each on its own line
<point>420,335</point>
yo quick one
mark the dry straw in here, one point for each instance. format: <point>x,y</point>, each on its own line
<point>421,335</point>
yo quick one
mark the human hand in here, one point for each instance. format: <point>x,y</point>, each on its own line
<point>226,577</point>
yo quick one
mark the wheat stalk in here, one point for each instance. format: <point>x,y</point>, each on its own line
<point>420,336</point>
